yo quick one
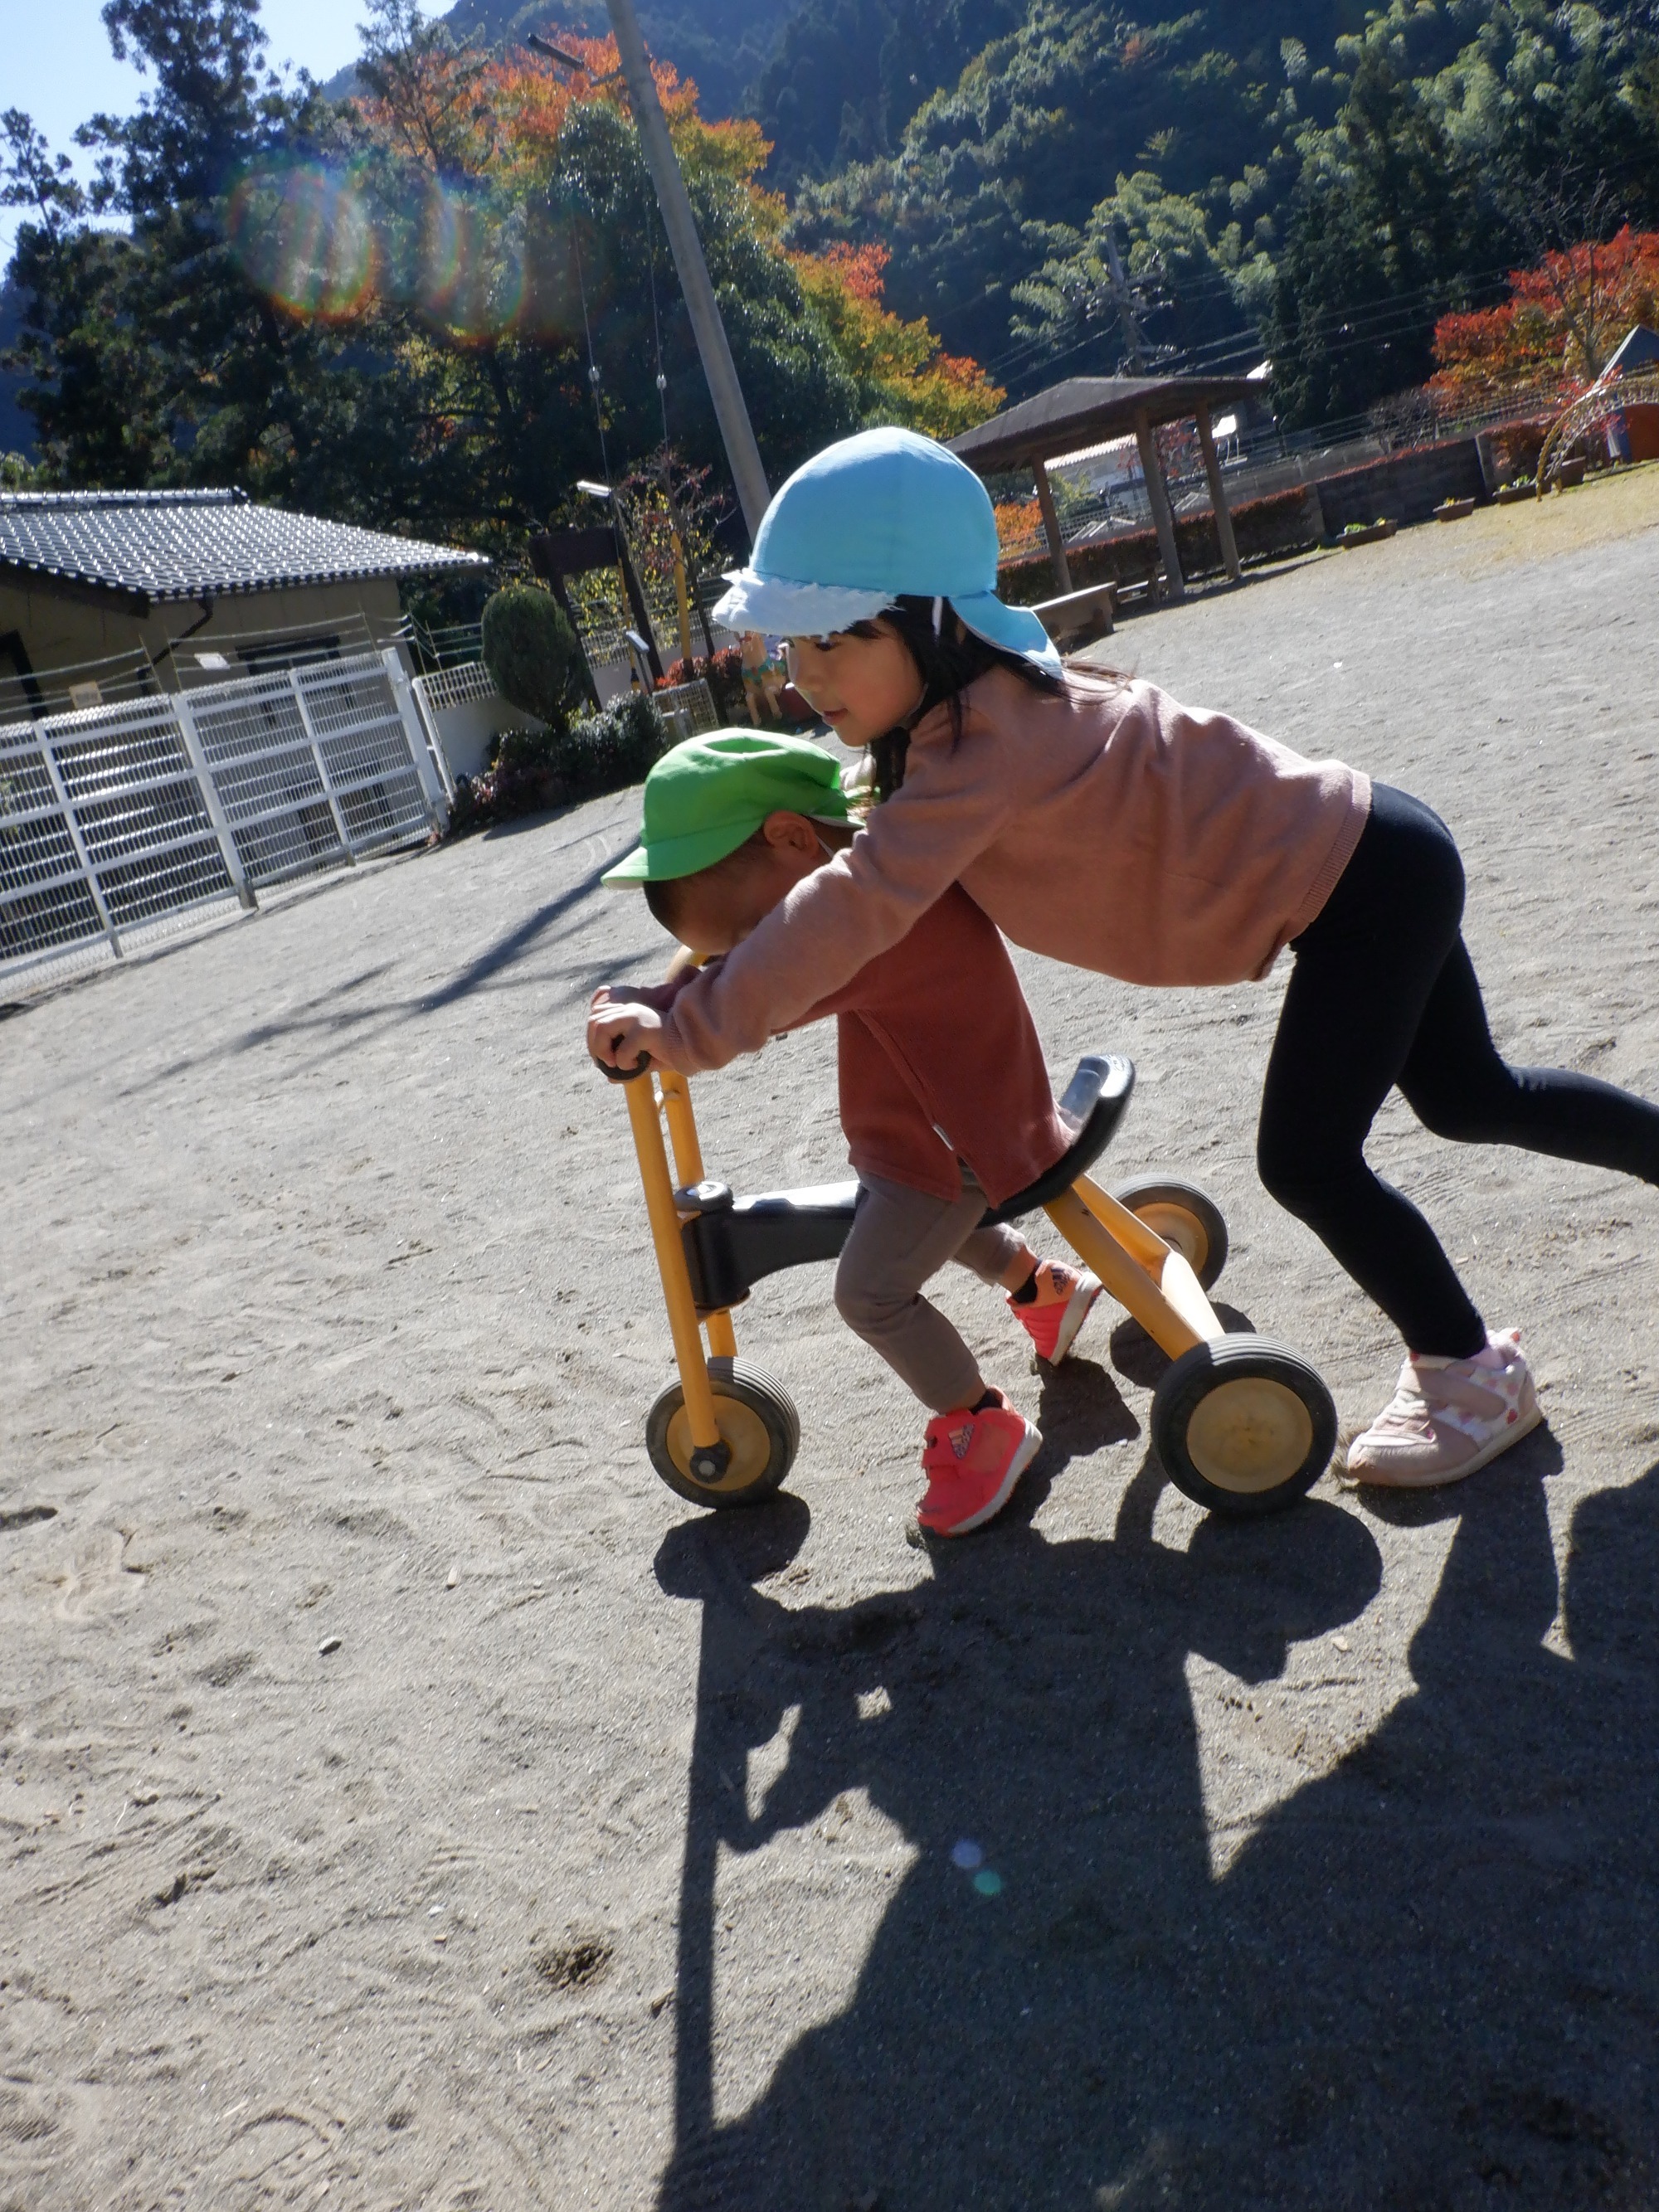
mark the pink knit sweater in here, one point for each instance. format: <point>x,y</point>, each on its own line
<point>1107,826</point>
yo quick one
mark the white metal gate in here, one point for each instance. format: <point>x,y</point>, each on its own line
<point>130,818</point>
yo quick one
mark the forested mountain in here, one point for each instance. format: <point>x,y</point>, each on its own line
<point>724,44</point>
<point>446,301</point>
<point>1313,176</point>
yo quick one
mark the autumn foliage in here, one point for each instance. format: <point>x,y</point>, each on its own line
<point>505,121</point>
<point>1561,323</point>
<point>902,374</point>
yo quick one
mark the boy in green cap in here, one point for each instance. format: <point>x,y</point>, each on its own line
<point>934,1036</point>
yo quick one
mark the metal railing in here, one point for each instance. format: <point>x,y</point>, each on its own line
<point>455,687</point>
<point>119,823</point>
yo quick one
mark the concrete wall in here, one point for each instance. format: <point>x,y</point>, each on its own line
<point>64,630</point>
<point>1406,488</point>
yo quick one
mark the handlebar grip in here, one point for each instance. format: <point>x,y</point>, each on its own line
<point>623,1074</point>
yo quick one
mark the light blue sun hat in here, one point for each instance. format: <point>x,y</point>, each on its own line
<point>883,513</point>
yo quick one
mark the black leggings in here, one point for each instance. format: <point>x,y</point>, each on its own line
<point>1383,993</point>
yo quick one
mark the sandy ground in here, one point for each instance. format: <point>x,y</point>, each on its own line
<point>405,1802</point>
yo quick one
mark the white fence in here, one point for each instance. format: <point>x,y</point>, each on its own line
<point>464,714</point>
<point>120,823</point>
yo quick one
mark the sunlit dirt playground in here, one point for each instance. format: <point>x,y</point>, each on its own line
<point>405,1801</point>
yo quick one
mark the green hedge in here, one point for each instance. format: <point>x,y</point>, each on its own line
<point>532,770</point>
<point>1266,529</point>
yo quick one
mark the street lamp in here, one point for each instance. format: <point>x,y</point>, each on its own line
<point>714,348</point>
<point>642,639</point>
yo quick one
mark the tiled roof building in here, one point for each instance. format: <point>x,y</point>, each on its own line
<point>88,577</point>
<point>159,546</point>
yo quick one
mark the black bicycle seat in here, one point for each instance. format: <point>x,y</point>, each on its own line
<point>1093,1104</point>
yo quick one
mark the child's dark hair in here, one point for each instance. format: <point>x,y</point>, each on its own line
<point>663,899</point>
<point>948,658</point>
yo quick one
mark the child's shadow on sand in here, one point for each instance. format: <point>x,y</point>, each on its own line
<point>1427,1977</point>
<point>1037,1706</point>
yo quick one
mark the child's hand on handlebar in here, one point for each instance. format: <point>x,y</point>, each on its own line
<point>660,997</point>
<point>621,1032</point>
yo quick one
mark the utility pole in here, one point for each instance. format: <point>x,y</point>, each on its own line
<point>1135,344</point>
<point>729,411</point>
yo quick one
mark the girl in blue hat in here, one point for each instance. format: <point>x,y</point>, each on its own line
<point>1094,819</point>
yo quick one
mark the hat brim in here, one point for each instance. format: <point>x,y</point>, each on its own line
<point>1013,629</point>
<point>782,609</point>
<point>790,610</point>
<point>667,858</point>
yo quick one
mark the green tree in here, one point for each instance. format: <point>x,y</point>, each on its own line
<point>152,361</point>
<point>1472,139</point>
<point>1379,243</point>
<point>277,315</point>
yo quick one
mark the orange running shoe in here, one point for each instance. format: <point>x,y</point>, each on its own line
<point>1053,1318</point>
<point>972,1462</point>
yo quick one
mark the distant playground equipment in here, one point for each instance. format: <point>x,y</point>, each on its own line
<point>1242,1424</point>
<point>1628,383</point>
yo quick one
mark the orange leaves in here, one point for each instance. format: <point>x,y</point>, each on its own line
<point>1562,322</point>
<point>901,373</point>
<point>860,269</point>
<point>1019,528</point>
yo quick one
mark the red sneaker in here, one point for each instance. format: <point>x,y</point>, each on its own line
<point>972,1462</point>
<point>1053,1318</point>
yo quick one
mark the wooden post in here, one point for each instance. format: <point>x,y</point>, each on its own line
<point>1045,492</point>
<point>701,305</point>
<point>1158,495</point>
<point>1223,520</point>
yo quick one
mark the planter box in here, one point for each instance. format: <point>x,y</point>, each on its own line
<point>1371,535</point>
<point>1571,474</point>
<point>1408,486</point>
<point>1454,510</point>
<point>1512,495</point>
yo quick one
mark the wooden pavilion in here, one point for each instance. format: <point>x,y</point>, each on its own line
<point>1091,410</point>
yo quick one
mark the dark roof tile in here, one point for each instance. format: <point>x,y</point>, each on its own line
<point>191,544</point>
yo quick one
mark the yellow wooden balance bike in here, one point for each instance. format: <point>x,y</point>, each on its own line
<point>1240,1423</point>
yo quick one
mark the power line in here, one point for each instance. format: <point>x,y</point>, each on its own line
<point>1348,325</point>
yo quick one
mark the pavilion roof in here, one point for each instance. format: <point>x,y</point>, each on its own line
<point>1086,410</point>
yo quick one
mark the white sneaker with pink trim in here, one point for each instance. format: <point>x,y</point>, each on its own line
<point>1448,1417</point>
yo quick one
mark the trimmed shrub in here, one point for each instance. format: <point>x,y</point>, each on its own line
<point>610,750</point>
<point>532,653</point>
<point>534,769</point>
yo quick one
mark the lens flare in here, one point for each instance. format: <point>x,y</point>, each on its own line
<point>476,288</point>
<point>326,241</point>
<point>305,236</point>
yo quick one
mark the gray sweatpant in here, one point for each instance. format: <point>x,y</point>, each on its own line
<point>900,1237</point>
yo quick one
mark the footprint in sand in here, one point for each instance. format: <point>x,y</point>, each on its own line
<point>277,2157</point>
<point>99,1582</point>
<point>30,2142</point>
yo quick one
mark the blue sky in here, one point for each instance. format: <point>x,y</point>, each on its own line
<point>56,64</point>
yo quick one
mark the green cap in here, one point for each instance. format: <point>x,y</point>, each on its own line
<point>707,796</point>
